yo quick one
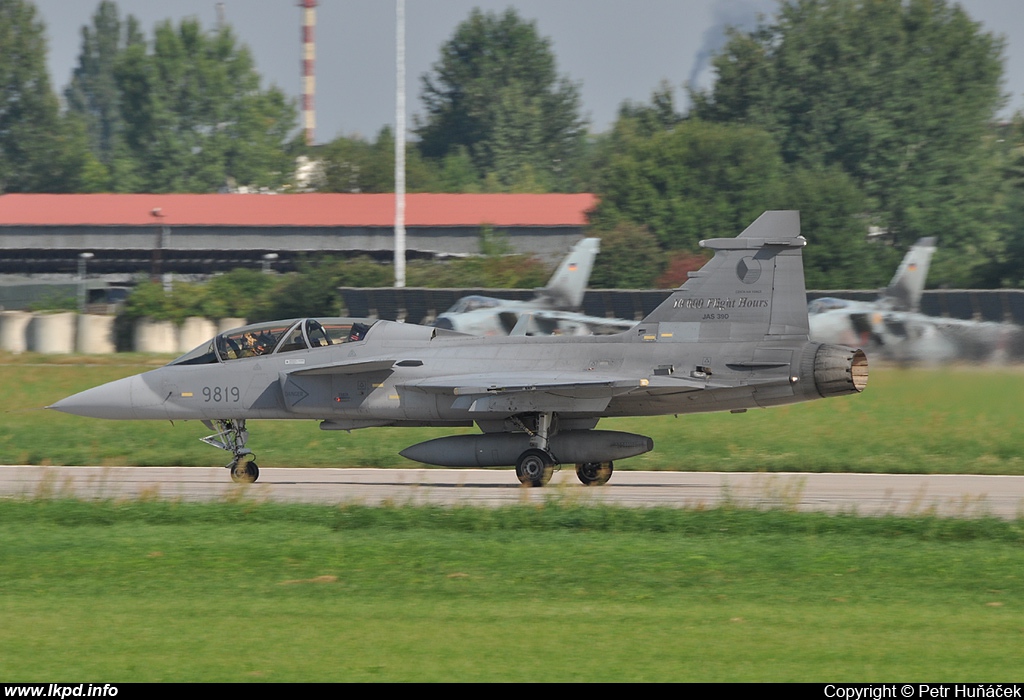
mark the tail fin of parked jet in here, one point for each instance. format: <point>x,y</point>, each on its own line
<point>904,291</point>
<point>752,288</point>
<point>566,287</point>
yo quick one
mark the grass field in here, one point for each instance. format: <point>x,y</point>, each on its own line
<point>907,421</point>
<point>137,591</point>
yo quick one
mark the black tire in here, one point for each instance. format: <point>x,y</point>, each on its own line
<point>534,468</point>
<point>595,473</point>
<point>245,473</point>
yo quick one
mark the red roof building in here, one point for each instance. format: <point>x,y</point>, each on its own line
<point>296,210</point>
<point>210,232</point>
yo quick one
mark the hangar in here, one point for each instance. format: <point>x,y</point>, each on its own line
<point>43,234</point>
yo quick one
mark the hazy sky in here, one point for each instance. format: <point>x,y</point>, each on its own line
<point>615,49</point>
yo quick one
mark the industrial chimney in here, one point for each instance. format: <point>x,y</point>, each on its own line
<point>308,55</point>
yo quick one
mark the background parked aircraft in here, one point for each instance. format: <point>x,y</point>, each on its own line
<point>551,312</point>
<point>892,327</point>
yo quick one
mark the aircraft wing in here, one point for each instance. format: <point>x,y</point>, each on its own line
<point>575,392</point>
<point>347,367</point>
<point>550,322</point>
<point>595,324</point>
<point>565,383</point>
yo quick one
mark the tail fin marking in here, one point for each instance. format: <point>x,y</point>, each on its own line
<point>904,291</point>
<point>566,287</point>
<point>752,289</point>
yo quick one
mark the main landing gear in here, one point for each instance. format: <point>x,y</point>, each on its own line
<point>231,436</point>
<point>594,473</point>
<point>536,465</point>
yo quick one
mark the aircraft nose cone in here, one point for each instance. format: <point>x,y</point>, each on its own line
<point>112,400</point>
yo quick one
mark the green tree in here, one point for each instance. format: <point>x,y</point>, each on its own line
<point>630,258</point>
<point>1009,271</point>
<point>40,150</point>
<point>351,164</point>
<point>347,163</point>
<point>685,179</point>
<point>839,254</point>
<point>496,266</point>
<point>696,181</point>
<point>148,298</point>
<point>659,115</point>
<point>298,294</point>
<point>495,92</point>
<point>196,116</point>
<point>241,293</point>
<point>898,93</point>
<point>457,174</point>
<point>93,93</point>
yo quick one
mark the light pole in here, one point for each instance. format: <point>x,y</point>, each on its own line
<point>163,243</point>
<point>83,258</point>
<point>399,143</point>
<point>268,260</point>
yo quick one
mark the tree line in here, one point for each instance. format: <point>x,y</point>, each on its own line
<point>313,290</point>
<point>877,119</point>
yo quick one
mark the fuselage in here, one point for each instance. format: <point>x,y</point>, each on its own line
<point>374,380</point>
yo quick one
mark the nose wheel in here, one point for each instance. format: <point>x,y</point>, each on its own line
<point>231,436</point>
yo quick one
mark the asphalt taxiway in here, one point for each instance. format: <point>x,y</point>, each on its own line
<point>863,494</point>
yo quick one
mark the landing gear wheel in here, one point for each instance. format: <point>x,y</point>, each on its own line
<point>594,473</point>
<point>245,472</point>
<point>534,468</point>
<point>231,436</point>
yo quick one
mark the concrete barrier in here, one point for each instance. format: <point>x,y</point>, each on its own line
<point>95,335</point>
<point>14,331</point>
<point>155,336</point>
<point>195,331</point>
<point>229,323</point>
<point>53,334</point>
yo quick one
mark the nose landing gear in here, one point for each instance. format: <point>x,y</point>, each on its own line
<point>232,436</point>
<point>244,472</point>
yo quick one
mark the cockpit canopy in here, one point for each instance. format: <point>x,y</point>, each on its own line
<point>472,303</point>
<point>275,337</point>
<point>824,304</point>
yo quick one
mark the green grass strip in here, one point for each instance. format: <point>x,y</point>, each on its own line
<point>238,591</point>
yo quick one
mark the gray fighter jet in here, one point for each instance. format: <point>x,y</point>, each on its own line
<point>733,337</point>
<point>551,312</point>
<point>893,328</point>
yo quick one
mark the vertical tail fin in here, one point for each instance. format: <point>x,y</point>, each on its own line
<point>752,288</point>
<point>566,287</point>
<point>904,291</point>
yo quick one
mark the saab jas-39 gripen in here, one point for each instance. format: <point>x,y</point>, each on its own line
<point>733,337</point>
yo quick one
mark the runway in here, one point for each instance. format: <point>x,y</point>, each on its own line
<point>863,494</point>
